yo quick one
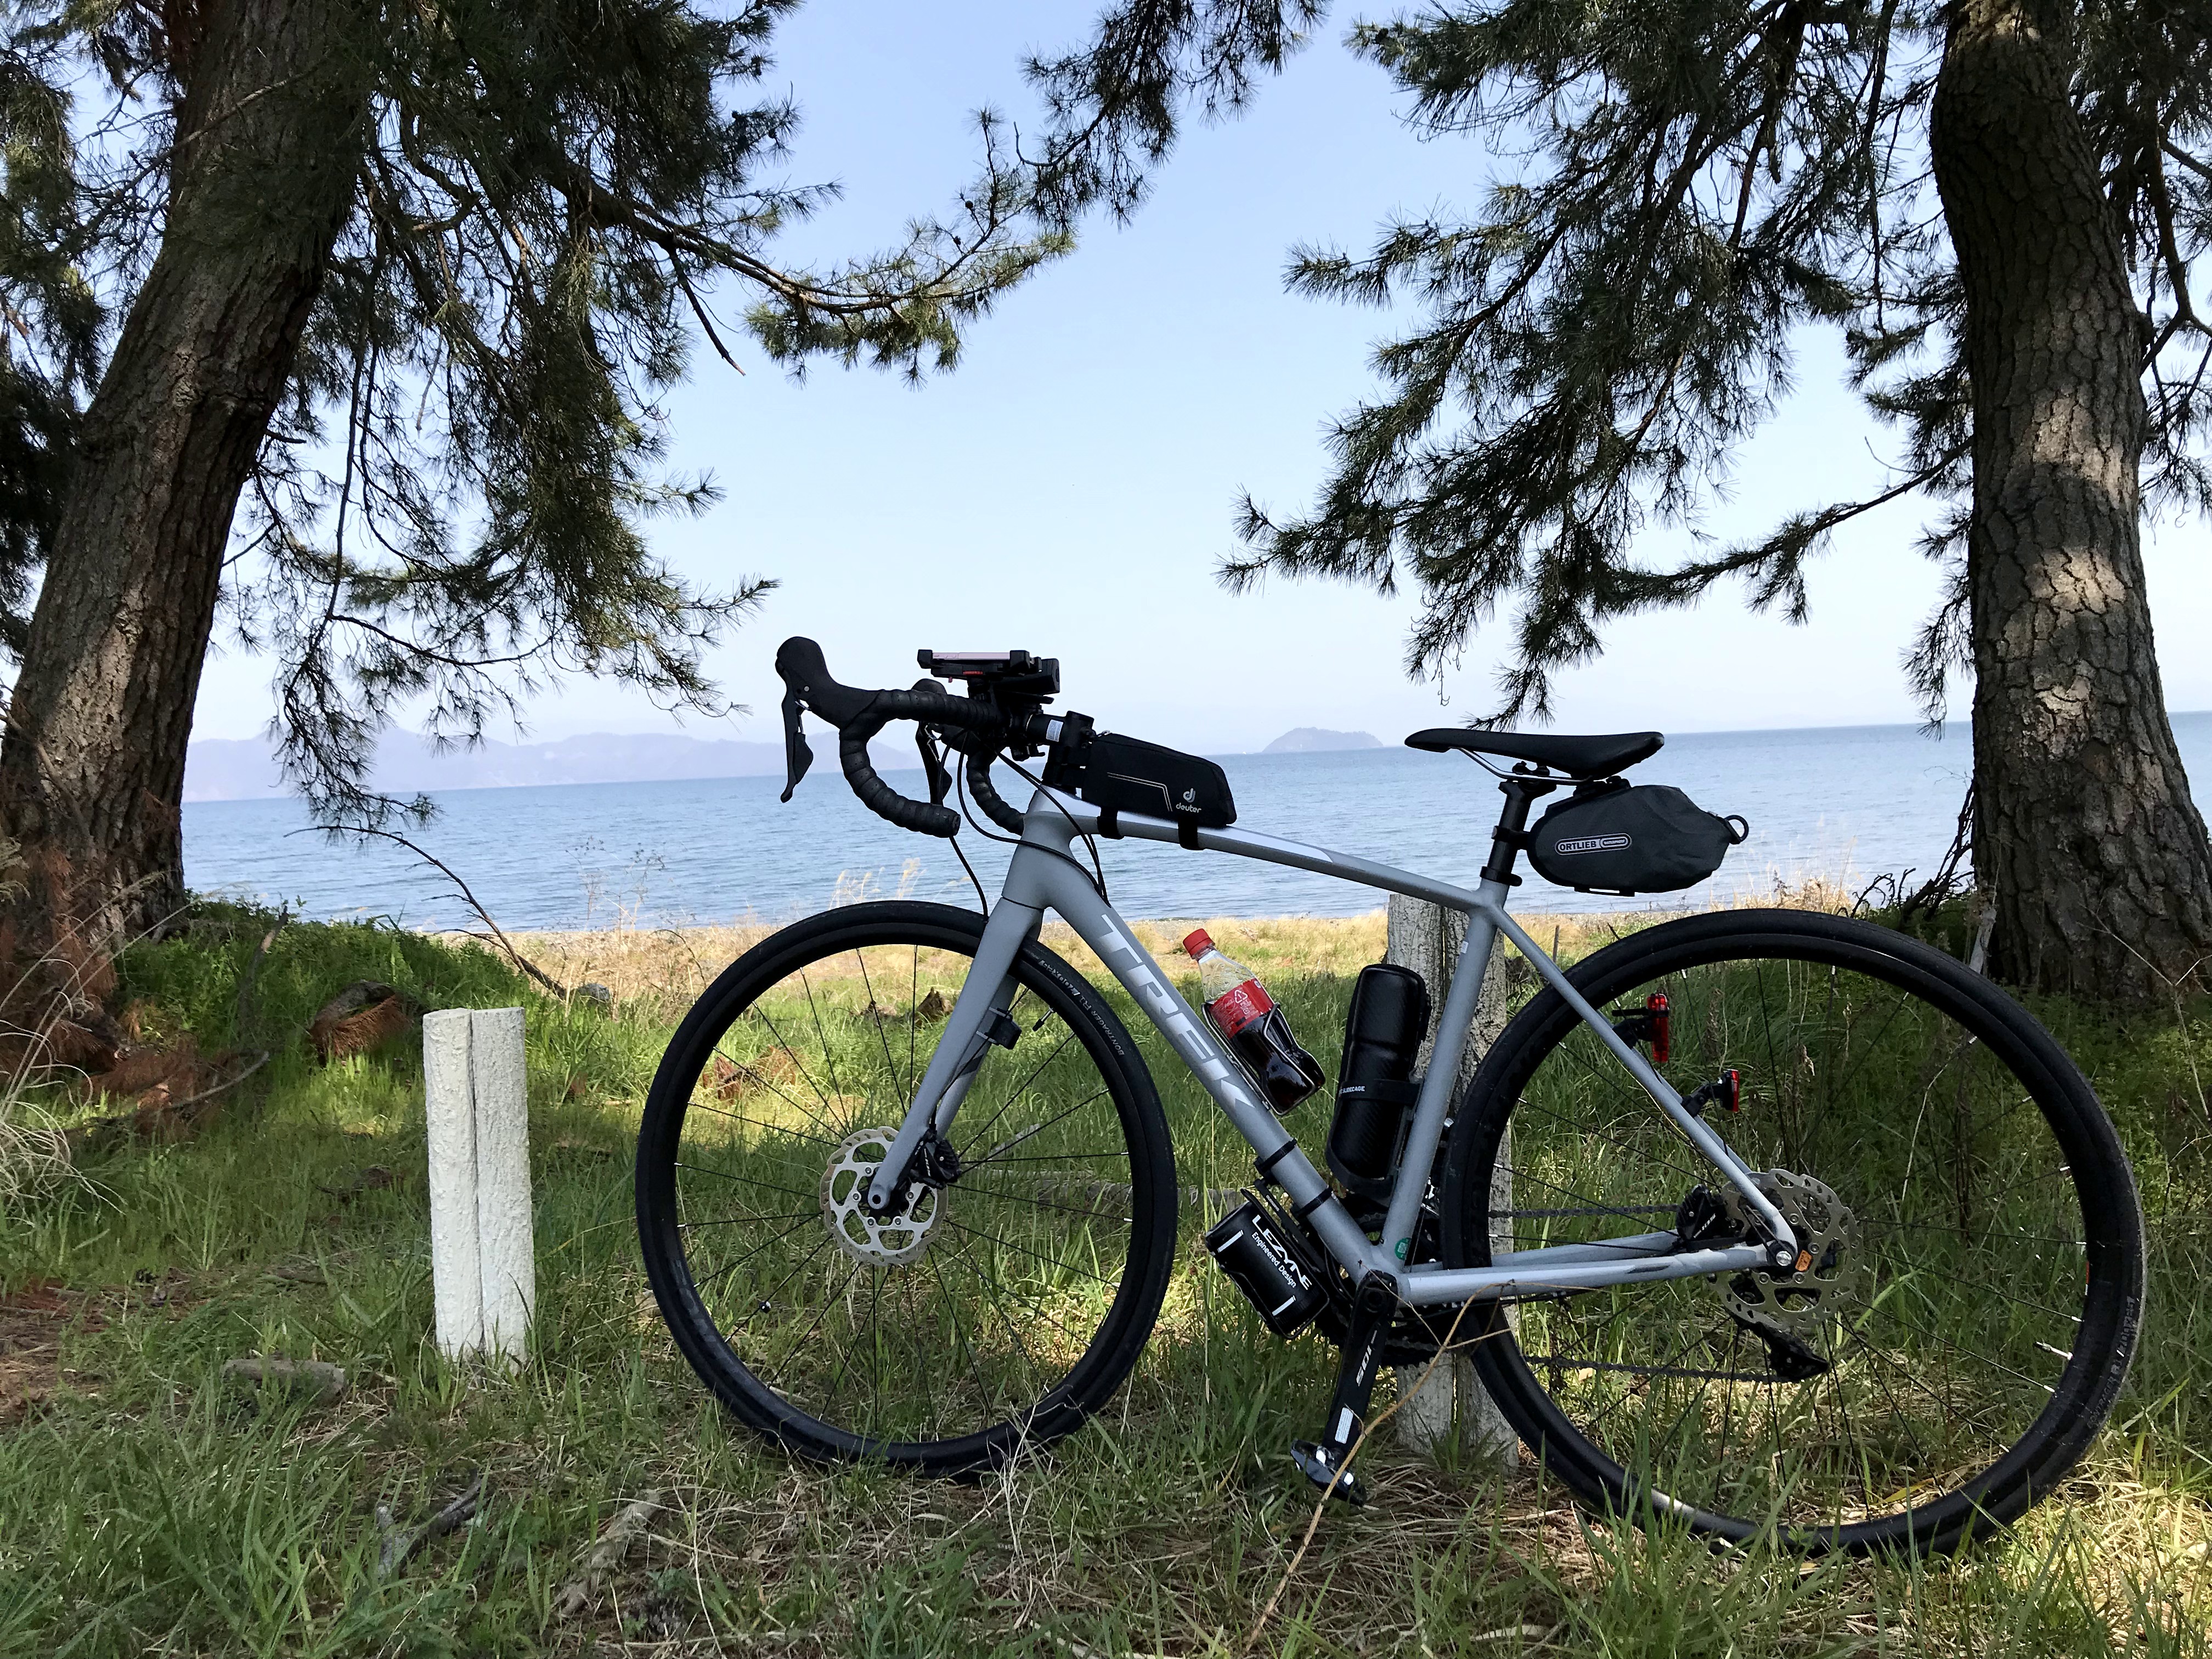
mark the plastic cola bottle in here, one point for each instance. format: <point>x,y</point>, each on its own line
<point>1239,1007</point>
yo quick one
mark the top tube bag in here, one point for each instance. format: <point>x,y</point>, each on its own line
<point>1613,837</point>
<point>1126,774</point>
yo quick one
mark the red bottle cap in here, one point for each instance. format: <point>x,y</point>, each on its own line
<point>1196,940</point>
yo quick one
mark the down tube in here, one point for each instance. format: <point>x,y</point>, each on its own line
<point>1156,994</point>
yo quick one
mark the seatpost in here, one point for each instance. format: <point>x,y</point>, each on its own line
<point>1511,835</point>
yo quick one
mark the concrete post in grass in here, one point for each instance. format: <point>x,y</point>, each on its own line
<point>1427,938</point>
<point>505,1251</point>
<point>483,1264</point>
<point>456,1268</point>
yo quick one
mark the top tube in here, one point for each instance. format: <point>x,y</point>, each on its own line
<point>1053,820</point>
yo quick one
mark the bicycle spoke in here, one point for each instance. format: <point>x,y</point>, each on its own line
<point>1008,1243</point>
<point>1015,1094</point>
<point>1030,1201</point>
<point>744,1220</point>
<point>828,1060</point>
<point>744,1181</point>
<point>770,1085</point>
<point>877,1020</point>
<point>1934,1332</point>
<point>769,1022</point>
<point>759,1123</point>
<point>958,1314</point>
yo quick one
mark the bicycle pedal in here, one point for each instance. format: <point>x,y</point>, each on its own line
<point>1314,1463</point>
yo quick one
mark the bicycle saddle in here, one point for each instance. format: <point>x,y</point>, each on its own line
<point>1577,757</point>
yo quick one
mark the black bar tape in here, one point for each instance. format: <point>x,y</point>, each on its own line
<point>880,709</point>
<point>994,805</point>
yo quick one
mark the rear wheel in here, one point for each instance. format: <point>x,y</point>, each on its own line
<point>1011,1295</point>
<point>1974,1283</point>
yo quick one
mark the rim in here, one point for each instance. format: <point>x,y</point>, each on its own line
<point>1917,1366</point>
<point>978,1315</point>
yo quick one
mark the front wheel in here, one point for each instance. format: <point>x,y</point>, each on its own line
<point>1968,1295</point>
<point>1014,1291</point>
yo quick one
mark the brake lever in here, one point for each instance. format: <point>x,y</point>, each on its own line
<point>797,757</point>
<point>933,763</point>
<point>932,758</point>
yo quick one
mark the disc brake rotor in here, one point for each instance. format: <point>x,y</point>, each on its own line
<point>1832,1276</point>
<point>874,1240</point>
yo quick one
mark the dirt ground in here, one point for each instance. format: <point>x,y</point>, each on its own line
<point>32,1322</point>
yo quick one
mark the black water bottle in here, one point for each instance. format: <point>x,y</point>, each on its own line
<point>1383,1034</point>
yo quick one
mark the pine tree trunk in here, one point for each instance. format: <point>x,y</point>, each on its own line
<point>2084,829</point>
<point>93,759</point>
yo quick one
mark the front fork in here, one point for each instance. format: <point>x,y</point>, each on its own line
<point>980,1015</point>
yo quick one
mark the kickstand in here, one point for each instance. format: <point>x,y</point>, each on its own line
<point>1358,1362</point>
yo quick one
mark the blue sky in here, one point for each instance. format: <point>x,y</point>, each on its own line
<point>1070,488</point>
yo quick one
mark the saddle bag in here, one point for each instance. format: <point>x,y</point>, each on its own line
<point>1614,838</point>
<point>1126,774</point>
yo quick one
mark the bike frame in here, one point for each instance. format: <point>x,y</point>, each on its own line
<point>1043,876</point>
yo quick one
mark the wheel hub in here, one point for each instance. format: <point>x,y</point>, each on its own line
<point>1828,1277</point>
<point>888,1241</point>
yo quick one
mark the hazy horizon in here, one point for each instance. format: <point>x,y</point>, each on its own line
<point>230,756</point>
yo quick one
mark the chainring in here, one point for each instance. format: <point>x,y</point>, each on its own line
<point>1832,1276</point>
<point>875,1240</point>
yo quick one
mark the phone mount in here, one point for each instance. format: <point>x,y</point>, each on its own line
<point>1005,677</point>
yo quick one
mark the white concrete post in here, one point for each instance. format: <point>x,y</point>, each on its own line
<point>456,1266</point>
<point>483,1264</point>
<point>505,1249</point>
<point>1427,938</point>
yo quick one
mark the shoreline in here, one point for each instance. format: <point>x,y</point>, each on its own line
<point>663,964</point>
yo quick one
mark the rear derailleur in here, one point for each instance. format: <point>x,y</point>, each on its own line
<point>1706,1221</point>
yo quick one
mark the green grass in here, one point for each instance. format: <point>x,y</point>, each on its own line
<point>147,1507</point>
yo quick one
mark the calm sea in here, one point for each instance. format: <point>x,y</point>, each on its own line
<point>1849,803</point>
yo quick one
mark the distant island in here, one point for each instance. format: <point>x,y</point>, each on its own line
<point>1314,740</point>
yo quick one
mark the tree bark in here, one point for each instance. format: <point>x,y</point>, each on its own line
<point>92,762</point>
<point>2084,829</point>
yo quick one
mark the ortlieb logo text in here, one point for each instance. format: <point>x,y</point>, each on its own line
<point>1595,844</point>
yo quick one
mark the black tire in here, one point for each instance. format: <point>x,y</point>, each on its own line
<point>1978,1228</point>
<point>1033,1281</point>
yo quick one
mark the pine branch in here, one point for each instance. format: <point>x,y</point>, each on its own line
<point>498,936</point>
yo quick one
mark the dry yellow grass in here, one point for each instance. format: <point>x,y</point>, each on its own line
<point>670,966</point>
<point>665,968</point>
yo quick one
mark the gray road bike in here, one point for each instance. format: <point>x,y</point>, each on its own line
<point>1842,1251</point>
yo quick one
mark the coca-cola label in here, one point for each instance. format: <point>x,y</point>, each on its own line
<point>1238,1007</point>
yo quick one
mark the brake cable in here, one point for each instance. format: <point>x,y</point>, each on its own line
<point>1088,840</point>
<point>977,880</point>
<point>1098,883</point>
